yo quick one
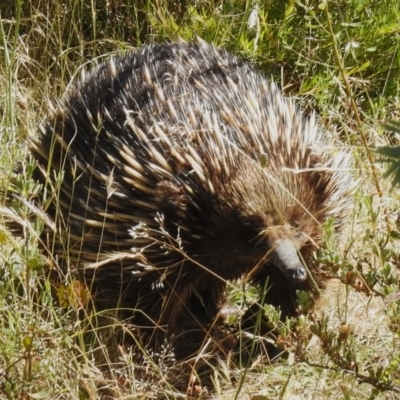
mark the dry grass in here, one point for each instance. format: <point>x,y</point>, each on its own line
<point>341,61</point>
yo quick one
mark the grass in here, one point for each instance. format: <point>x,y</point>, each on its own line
<point>339,58</point>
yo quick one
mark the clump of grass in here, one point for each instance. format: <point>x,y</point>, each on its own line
<point>341,60</point>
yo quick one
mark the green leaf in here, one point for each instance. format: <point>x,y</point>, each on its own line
<point>27,342</point>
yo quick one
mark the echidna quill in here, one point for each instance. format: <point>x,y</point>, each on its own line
<point>177,168</point>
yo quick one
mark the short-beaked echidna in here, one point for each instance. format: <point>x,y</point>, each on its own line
<point>176,168</point>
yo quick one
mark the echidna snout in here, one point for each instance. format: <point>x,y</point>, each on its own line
<point>285,257</point>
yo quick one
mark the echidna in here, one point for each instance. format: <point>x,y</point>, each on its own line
<point>176,168</point>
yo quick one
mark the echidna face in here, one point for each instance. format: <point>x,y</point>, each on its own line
<point>284,250</point>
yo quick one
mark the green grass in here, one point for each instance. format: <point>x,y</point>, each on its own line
<point>340,58</point>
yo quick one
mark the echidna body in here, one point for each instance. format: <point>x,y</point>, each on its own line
<point>178,167</point>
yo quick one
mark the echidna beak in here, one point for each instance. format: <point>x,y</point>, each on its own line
<point>297,274</point>
<point>285,256</point>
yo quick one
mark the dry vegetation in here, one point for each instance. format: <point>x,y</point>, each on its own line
<point>344,62</point>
